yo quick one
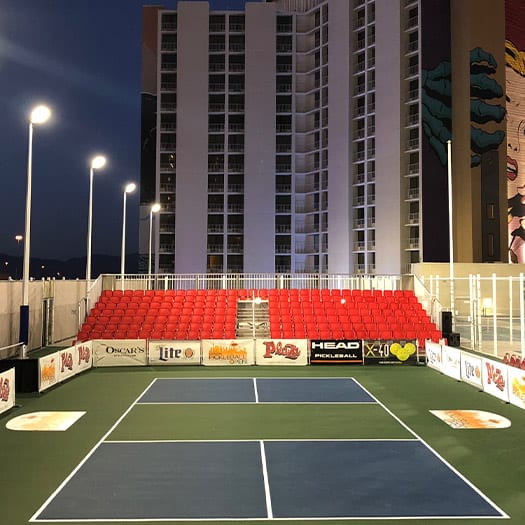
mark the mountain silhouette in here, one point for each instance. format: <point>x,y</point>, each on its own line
<point>75,268</point>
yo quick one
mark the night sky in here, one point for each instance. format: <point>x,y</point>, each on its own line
<point>82,59</point>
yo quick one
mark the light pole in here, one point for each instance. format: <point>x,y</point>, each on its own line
<point>39,115</point>
<point>128,189</point>
<point>155,208</point>
<point>450,230</point>
<point>96,163</point>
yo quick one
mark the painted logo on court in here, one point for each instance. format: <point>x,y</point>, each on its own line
<point>55,421</point>
<point>464,419</point>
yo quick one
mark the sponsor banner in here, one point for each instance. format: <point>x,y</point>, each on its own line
<point>83,356</point>
<point>66,363</point>
<point>220,352</point>
<point>494,378</point>
<point>337,352</point>
<point>471,369</point>
<point>451,362</point>
<point>281,351</point>
<point>124,352</point>
<point>433,351</point>
<point>471,419</point>
<point>174,353</point>
<point>390,352</point>
<point>516,389</point>
<point>7,390</point>
<point>48,367</point>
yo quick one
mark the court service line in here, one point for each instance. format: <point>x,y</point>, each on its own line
<point>256,392</point>
<point>254,440</point>
<point>267,495</point>
<point>441,458</point>
<point>256,402</point>
<point>88,455</point>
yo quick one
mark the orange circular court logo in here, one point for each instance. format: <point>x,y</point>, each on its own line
<point>471,419</point>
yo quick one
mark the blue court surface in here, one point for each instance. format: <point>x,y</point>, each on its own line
<point>256,390</point>
<point>245,480</point>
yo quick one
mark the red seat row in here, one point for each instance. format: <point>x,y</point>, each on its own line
<point>294,313</point>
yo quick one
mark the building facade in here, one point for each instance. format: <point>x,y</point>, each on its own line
<point>301,136</point>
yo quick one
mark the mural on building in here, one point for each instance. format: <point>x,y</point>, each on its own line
<point>436,118</point>
<point>480,79</point>
<point>437,113</point>
<point>515,91</point>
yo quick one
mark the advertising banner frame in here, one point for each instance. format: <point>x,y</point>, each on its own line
<point>7,390</point>
<point>228,352</point>
<point>382,352</point>
<point>328,351</point>
<point>125,352</point>
<point>274,351</point>
<point>179,353</point>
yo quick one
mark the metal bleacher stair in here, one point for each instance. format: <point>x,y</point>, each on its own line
<point>253,319</point>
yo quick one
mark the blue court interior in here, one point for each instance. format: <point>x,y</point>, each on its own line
<point>264,479</point>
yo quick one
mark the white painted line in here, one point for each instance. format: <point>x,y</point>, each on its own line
<point>267,494</point>
<point>255,390</point>
<point>441,458</point>
<point>89,454</point>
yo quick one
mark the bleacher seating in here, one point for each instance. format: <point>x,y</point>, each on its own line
<point>295,313</point>
<point>349,314</point>
<point>170,314</point>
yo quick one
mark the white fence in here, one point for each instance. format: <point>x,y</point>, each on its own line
<point>488,311</point>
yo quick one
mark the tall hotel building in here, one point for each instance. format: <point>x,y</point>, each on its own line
<point>311,136</point>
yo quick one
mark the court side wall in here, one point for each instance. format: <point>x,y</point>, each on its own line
<point>65,295</point>
<point>426,272</point>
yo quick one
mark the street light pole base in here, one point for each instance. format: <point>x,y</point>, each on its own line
<point>24,327</point>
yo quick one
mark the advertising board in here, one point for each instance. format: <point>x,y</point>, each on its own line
<point>336,352</point>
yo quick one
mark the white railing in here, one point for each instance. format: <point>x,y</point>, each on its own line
<point>487,312</point>
<point>250,280</point>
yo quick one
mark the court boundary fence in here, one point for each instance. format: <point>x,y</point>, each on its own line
<point>488,311</point>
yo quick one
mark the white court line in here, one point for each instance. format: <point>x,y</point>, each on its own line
<point>257,402</point>
<point>270,518</point>
<point>255,390</point>
<point>89,454</point>
<point>441,458</point>
<point>267,494</point>
<point>277,440</point>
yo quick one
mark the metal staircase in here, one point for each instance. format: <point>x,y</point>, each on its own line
<point>253,319</point>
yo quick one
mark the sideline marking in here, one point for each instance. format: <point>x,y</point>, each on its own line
<point>441,458</point>
<point>267,495</point>
<point>88,455</point>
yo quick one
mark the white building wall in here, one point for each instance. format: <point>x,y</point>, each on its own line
<point>389,139</point>
<point>339,128</point>
<point>259,151</point>
<point>192,137</point>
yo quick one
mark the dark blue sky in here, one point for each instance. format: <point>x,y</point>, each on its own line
<point>82,58</point>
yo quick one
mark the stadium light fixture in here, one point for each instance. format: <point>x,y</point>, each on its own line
<point>129,188</point>
<point>39,115</point>
<point>97,163</point>
<point>155,208</point>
